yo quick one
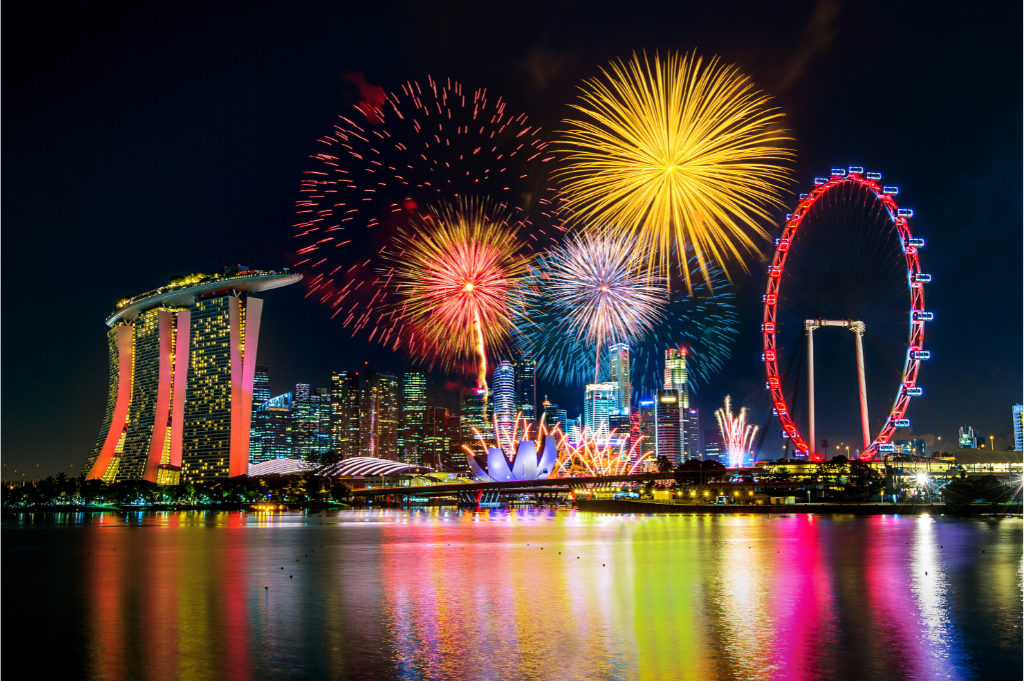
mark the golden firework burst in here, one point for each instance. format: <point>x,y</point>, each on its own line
<point>685,155</point>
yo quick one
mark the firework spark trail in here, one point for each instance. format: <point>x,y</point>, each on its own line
<point>425,143</point>
<point>595,291</point>
<point>682,154</point>
<point>453,278</point>
<point>737,436</point>
<point>596,454</point>
<point>704,322</point>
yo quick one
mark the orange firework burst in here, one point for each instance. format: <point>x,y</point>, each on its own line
<point>453,274</point>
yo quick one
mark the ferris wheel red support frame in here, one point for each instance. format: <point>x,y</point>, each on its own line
<point>918,316</point>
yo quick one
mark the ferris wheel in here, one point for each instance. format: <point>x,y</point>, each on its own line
<point>846,273</point>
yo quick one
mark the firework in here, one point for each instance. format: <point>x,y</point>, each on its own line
<point>737,436</point>
<point>704,322</point>
<point>453,275</point>
<point>601,453</point>
<point>685,155</point>
<point>387,157</point>
<point>595,293</point>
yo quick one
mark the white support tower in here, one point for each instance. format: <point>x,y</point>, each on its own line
<point>858,329</point>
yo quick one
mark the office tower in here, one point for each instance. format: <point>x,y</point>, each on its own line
<point>574,429</point>
<point>713,445</point>
<point>378,415</point>
<point>554,417</point>
<point>691,443</point>
<point>618,422</point>
<point>526,386</point>
<point>272,430</point>
<point>1018,427</point>
<point>647,425</point>
<point>504,383</point>
<point>677,378</point>
<point>261,385</point>
<point>967,438</point>
<point>311,423</point>
<point>437,439</point>
<point>414,404</point>
<point>476,416</point>
<point>260,394</point>
<point>618,360</point>
<point>345,413</point>
<point>180,382</point>
<point>598,402</point>
<point>668,431</point>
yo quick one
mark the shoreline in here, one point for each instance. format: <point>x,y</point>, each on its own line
<point>620,506</point>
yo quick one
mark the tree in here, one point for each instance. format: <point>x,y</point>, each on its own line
<point>664,465</point>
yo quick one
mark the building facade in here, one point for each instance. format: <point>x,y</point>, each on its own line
<point>1018,427</point>
<point>525,367</point>
<point>272,430</point>
<point>345,413</point>
<point>311,423</point>
<point>414,406</point>
<point>599,400</point>
<point>378,415</point>
<point>475,418</point>
<point>668,432</point>
<point>618,361</point>
<point>504,386</point>
<point>181,379</point>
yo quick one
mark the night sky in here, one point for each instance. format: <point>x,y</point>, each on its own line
<point>153,139</point>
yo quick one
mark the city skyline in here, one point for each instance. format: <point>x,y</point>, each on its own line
<point>242,194</point>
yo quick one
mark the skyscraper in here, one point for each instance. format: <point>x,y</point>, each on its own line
<point>378,415</point>
<point>261,391</point>
<point>1018,427</point>
<point>691,443</point>
<point>414,404</point>
<point>475,417</point>
<point>272,430</point>
<point>598,402</point>
<point>526,385</point>
<point>181,373</point>
<point>677,378</point>
<point>437,438</point>
<point>345,413</point>
<point>504,383</point>
<point>668,431</point>
<point>713,445</point>
<point>311,423</point>
<point>967,438</point>
<point>647,425</point>
<point>618,360</point>
<point>553,415</point>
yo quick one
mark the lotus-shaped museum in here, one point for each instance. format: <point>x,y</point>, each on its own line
<point>533,460</point>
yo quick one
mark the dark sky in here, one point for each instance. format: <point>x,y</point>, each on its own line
<point>150,139</point>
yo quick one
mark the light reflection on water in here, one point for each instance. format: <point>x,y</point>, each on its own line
<point>506,595</point>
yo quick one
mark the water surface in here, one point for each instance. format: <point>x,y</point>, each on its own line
<point>511,595</point>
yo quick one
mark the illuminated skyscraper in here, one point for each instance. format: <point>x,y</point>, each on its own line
<point>504,383</point>
<point>272,430</point>
<point>553,415</point>
<point>647,424</point>
<point>691,443</point>
<point>668,431</point>
<point>437,439</point>
<point>598,402</point>
<point>618,360</point>
<point>475,420</point>
<point>345,413</point>
<point>181,373</point>
<point>260,393</point>
<point>311,423</point>
<point>1018,427</point>
<point>713,445</point>
<point>526,386</point>
<point>967,438</point>
<point>261,386</point>
<point>378,415</point>
<point>414,404</point>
